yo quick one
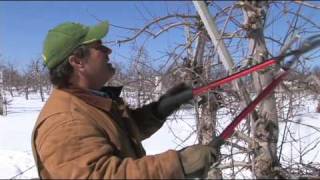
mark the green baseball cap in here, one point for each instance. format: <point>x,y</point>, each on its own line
<point>66,37</point>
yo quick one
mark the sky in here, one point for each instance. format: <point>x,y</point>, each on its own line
<point>24,24</point>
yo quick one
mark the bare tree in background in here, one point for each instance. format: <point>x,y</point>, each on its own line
<point>1,90</point>
<point>27,83</point>
<point>2,104</point>
<point>12,78</point>
<point>37,73</point>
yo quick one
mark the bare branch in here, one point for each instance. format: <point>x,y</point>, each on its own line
<point>155,21</point>
<point>244,137</point>
<point>307,125</point>
<point>305,18</point>
<point>169,27</point>
<point>308,4</point>
<point>234,164</point>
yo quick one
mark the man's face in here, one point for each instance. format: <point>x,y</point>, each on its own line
<point>98,69</point>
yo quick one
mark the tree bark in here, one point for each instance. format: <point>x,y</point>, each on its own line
<point>266,128</point>
<point>208,109</point>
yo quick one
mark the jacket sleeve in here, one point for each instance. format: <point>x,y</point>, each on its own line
<point>76,148</point>
<point>147,120</point>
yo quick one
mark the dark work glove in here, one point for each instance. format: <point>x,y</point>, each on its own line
<point>216,142</point>
<point>197,159</point>
<point>172,99</point>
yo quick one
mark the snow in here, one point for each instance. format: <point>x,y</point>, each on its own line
<point>17,164</point>
<point>16,160</point>
<point>176,133</point>
<point>15,138</point>
<point>304,139</point>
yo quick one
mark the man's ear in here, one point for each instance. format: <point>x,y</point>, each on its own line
<point>76,62</point>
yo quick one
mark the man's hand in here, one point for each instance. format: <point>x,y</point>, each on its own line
<point>172,99</point>
<point>197,159</point>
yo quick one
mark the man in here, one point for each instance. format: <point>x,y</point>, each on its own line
<point>86,131</point>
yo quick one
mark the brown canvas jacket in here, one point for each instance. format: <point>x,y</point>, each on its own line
<point>79,135</point>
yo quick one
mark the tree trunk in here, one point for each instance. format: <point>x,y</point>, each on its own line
<point>208,108</point>
<point>208,118</point>
<point>266,128</point>
<point>40,86</point>
<point>26,91</point>
<point>41,93</point>
<point>11,90</point>
<point>2,105</point>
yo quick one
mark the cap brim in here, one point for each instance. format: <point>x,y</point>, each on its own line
<point>96,32</point>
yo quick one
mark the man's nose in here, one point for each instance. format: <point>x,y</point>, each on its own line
<point>107,50</point>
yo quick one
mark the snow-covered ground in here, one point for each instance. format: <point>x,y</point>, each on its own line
<point>16,159</point>
<point>15,138</point>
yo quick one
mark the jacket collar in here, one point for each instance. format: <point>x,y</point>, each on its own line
<point>112,91</point>
<point>101,99</point>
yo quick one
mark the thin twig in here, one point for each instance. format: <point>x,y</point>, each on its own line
<point>23,172</point>
<point>308,4</point>
<point>155,21</point>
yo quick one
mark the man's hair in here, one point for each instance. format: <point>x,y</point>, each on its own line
<point>60,75</point>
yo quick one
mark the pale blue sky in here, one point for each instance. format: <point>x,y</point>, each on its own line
<point>24,24</point>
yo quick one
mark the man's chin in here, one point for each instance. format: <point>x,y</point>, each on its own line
<point>112,71</point>
<point>110,75</point>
